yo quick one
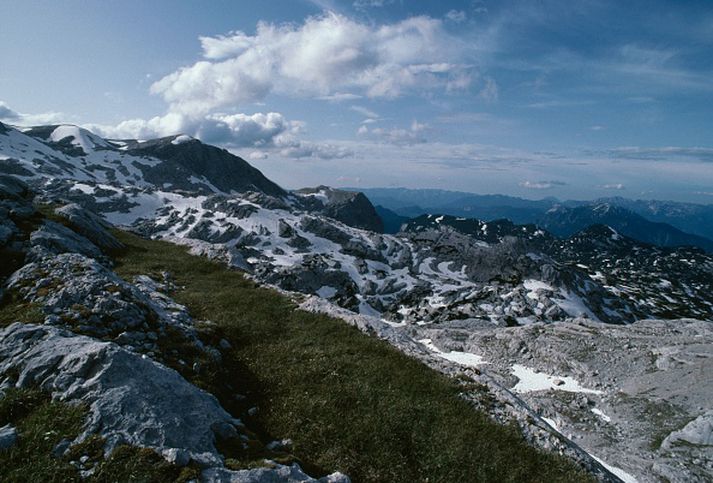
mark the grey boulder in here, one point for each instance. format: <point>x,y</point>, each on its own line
<point>8,437</point>
<point>53,239</point>
<point>277,474</point>
<point>131,399</point>
<point>90,225</point>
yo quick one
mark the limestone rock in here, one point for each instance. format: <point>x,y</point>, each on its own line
<point>53,239</point>
<point>8,437</point>
<point>279,473</point>
<point>131,399</point>
<point>90,225</point>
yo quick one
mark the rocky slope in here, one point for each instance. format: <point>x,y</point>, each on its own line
<point>101,341</point>
<point>455,284</point>
<point>650,281</point>
<point>636,396</point>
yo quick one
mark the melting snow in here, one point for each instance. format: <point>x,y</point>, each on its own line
<point>601,414</point>
<point>621,474</point>
<point>462,358</point>
<point>80,137</point>
<point>552,423</point>
<point>530,381</point>
<point>533,286</point>
<point>574,305</point>
<point>84,188</point>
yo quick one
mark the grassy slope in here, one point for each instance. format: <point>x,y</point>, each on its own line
<point>348,401</point>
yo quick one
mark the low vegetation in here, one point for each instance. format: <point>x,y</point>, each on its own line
<point>347,401</point>
<point>42,424</point>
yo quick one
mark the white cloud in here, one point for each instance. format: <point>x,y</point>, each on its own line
<point>6,113</point>
<point>233,130</point>
<point>329,56</point>
<point>257,155</point>
<point>397,136</point>
<point>457,16</point>
<point>12,116</point>
<point>339,97</point>
<point>265,132</point>
<point>541,185</point>
<point>666,153</point>
<point>368,113</point>
<point>305,149</point>
<point>613,186</point>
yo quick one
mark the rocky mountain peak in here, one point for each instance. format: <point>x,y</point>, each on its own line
<point>350,207</point>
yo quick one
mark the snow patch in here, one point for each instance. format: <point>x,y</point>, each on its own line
<point>530,381</point>
<point>462,358</point>
<point>601,414</point>
<point>618,472</point>
<point>80,138</point>
<point>533,286</point>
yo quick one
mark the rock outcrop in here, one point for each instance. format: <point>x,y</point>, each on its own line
<point>131,398</point>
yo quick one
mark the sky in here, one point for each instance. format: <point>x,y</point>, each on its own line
<point>536,98</point>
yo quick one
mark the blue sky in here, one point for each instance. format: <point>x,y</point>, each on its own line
<point>530,98</point>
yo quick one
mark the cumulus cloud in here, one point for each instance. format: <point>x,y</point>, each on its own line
<point>541,185</point>
<point>12,116</point>
<point>613,186</point>
<point>233,130</point>
<point>328,56</point>
<point>264,131</point>
<point>397,136</point>
<point>305,149</point>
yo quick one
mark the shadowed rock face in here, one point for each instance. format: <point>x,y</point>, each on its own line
<point>219,167</point>
<point>350,207</point>
<point>356,211</point>
<point>90,225</point>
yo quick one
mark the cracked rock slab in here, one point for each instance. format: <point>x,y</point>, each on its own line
<point>131,399</point>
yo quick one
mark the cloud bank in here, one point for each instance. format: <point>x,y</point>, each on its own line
<point>329,57</point>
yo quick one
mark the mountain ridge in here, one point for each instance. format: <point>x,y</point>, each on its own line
<point>685,223</point>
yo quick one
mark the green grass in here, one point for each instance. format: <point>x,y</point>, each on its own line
<point>348,401</point>
<point>41,424</point>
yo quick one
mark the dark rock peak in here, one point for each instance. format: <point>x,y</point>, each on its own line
<point>350,207</point>
<point>220,167</point>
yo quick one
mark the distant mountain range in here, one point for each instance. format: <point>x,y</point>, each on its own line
<point>662,223</point>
